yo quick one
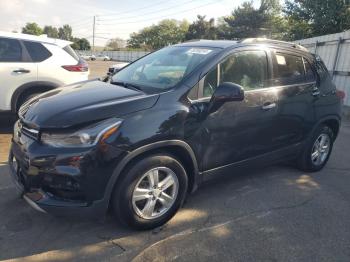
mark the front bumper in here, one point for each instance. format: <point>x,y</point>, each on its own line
<point>56,185</point>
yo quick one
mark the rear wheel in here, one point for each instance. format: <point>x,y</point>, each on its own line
<point>151,192</point>
<point>317,151</point>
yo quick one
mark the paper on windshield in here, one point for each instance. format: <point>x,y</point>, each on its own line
<point>199,51</point>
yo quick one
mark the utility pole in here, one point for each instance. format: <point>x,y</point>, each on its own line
<point>93,35</point>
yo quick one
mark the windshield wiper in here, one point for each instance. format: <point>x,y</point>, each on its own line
<point>128,85</point>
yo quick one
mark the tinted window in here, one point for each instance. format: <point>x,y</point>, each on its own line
<point>248,69</point>
<point>288,70</point>
<point>320,67</point>
<point>210,82</point>
<point>309,73</point>
<point>193,94</point>
<point>37,51</point>
<point>10,50</point>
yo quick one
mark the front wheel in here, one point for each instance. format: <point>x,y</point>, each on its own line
<point>151,192</point>
<point>317,150</point>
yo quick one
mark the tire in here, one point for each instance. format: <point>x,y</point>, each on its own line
<point>136,178</point>
<point>307,160</point>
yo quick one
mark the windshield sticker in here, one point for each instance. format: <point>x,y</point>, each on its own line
<point>199,51</point>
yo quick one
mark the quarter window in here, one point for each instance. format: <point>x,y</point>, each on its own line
<point>289,69</point>
<point>309,73</point>
<point>10,50</point>
<point>37,51</point>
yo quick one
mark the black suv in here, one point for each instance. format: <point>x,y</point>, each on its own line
<point>160,126</point>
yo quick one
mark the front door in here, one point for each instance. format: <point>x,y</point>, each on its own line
<point>239,130</point>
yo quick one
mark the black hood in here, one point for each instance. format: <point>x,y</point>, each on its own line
<point>83,102</point>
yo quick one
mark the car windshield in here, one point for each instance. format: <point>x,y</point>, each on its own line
<point>163,69</point>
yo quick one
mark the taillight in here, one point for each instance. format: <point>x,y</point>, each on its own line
<point>80,67</point>
<point>340,94</point>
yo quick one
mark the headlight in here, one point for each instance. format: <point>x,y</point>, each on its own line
<point>85,137</point>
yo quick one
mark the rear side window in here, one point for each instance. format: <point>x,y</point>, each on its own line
<point>37,51</point>
<point>71,52</point>
<point>10,50</point>
<point>288,69</point>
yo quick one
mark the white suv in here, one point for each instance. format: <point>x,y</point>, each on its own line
<point>30,65</point>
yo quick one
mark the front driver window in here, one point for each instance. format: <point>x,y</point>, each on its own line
<point>246,68</point>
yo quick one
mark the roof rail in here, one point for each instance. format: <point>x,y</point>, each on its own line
<point>273,42</point>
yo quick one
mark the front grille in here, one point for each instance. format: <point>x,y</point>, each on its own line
<point>21,129</point>
<point>31,133</point>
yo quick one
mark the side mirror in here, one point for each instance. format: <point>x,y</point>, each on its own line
<point>226,92</point>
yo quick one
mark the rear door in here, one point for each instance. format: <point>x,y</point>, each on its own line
<point>297,91</point>
<point>16,69</point>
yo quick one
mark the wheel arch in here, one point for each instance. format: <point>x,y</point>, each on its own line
<point>179,149</point>
<point>27,88</point>
<point>332,122</point>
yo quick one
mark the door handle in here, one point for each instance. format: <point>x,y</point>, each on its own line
<point>21,71</point>
<point>268,106</point>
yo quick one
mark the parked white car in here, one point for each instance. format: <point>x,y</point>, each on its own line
<point>115,68</point>
<point>88,57</point>
<point>102,58</point>
<point>30,65</point>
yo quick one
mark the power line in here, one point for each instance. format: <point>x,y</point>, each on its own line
<point>153,12</point>
<point>133,10</point>
<point>164,16</point>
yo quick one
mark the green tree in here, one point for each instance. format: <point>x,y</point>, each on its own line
<point>248,21</point>
<point>315,17</point>
<point>51,31</point>
<point>202,29</point>
<point>81,44</point>
<point>32,29</point>
<point>166,32</point>
<point>65,32</point>
<point>115,44</point>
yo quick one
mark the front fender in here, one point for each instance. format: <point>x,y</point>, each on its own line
<point>147,148</point>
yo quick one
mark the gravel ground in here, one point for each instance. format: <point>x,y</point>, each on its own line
<point>271,214</point>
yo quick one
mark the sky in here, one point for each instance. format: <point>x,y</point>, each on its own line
<point>114,18</point>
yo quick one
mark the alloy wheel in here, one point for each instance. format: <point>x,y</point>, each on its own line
<point>155,193</point>
<point>320,149</point>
